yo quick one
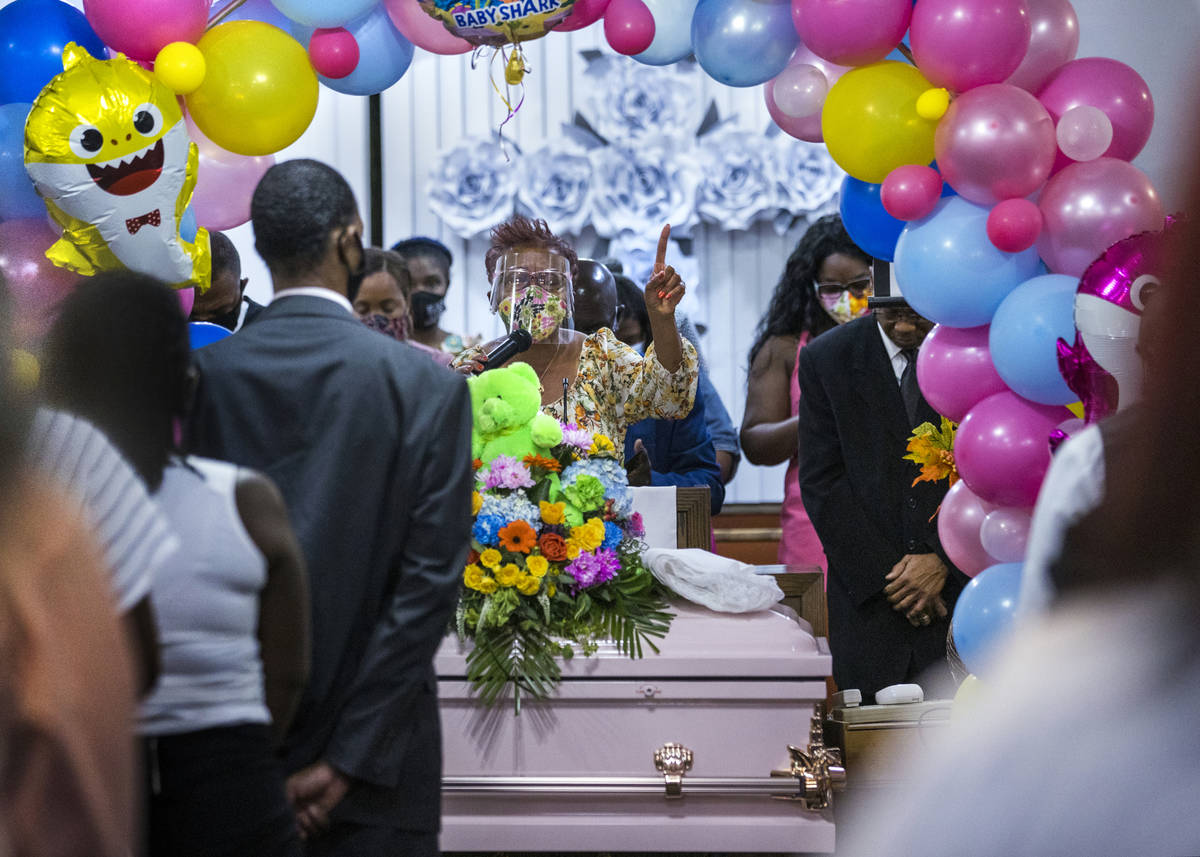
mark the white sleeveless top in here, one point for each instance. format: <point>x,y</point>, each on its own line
<point>206,602</point>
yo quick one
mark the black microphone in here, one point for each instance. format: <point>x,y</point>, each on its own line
<point>509,347</point>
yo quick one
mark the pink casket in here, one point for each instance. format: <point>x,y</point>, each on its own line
<point>578,772</point>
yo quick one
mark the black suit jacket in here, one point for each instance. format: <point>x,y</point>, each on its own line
<point>857,489</point>
<point>369,443</point>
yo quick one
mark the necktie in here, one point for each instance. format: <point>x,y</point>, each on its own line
<point>909,391</point>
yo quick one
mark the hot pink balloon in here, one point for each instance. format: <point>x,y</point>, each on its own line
<point>628,26</point>
<point>1054,39</point>
<point>1005,533</point>
<point>1113,87</point>
<point>910,192</point>
<point>955,370</point>
<point>1002,447</point>
<point>1084,133</point>
<point>1090,205</point>
<point>36,285</point>
<point>224,182</point>
<point>959,520</point>
<point>423,30</point>
<point>806,128</point>
<point>141,28</point>
<point>995,142</point>
<point>961,44</point>
<point>1014,225</point>
<point>187,299</point>
<point>333,52</point>
<point>851,32</point>
<point>584,13</point>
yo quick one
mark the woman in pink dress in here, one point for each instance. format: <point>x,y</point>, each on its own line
<point>826,283</point>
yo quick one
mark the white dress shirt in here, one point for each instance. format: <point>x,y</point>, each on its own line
<point>895,354</point>
<point>315,292</point>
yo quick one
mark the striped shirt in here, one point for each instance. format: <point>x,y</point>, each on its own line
<point>133,532</point>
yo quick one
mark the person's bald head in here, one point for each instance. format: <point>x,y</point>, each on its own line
<point>595,297</point>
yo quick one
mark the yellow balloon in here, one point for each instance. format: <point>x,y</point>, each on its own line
<point>179,66</point>
<point>870,120</point>
<point>260,91</point>
<point>933,103</point>
<point>966,699</point>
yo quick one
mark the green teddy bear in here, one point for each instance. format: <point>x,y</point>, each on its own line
<point>506,405</point>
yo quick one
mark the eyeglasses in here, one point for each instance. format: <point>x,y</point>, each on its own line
<point>523,280</point>
<point>859,288</point>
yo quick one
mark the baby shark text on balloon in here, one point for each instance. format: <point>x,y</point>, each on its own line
<point>494,15</point>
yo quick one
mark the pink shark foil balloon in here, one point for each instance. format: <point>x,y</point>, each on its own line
<point>1103,367</point>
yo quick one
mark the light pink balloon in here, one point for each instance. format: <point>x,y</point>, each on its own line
<point>1091,205</point>
<point>224,182</point>
<point>961,44</point>
<point>955,370</point>
<point>187,299</point>
<point>1014,225</point>
<point>959,520</point>
<point>800,90</point>
<point>995,142</point>
<point>1113,87</point>
<point>1054,39</point>
<point>1002,447</point>
<point>423,30</point>
<point>1084,133</point>
<point>628,26</point>
<point>141,28</point>
<point>584,13</point>
<point>333,52</point>
<point>910,192</point>
<point>806,128</point>
<point>851,32</point>
<point>1005,533</point>
<point>37,286</point>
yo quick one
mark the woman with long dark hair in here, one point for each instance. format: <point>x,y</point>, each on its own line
<point>826,282</point>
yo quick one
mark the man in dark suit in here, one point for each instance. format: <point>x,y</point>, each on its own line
<point>370,444</point>
<point>891,588</point>
<point>225,302</point>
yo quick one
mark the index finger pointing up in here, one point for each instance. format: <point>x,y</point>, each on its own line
<point>660,258</point>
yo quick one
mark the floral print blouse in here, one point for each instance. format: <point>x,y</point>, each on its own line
<point>616,387</point>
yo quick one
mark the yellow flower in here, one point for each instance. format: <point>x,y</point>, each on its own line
<point>472,576</point>
<point>508,575</point>
<point>537,565</point>
<point>476,502</point>
<point>487,586</point>
<point>528,585</point>
<point>590,536</point>
<point>551,589</point>
<point>573,550</point>
<point>601,444</point>
<point>553,513</point>
<point>491,558</point>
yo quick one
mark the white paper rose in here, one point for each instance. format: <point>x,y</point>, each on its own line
<point>556,184</point>
<point>737,184</point>
<point>627,100</point>
<point>473,187</point>
<point>806,178</point>
<point>638,188</point>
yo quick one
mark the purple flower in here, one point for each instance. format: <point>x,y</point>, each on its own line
<point>574,436</point>
<point>637,528</point>
<point>592,569</point>
<point>506,472</point>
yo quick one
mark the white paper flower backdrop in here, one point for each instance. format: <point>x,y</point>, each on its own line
<point>737,187</point>
<point>473,187</point>
<point>640,187</point>
<point>626,100</point>
<point>556,185</point>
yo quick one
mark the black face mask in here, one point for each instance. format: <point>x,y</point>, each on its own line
<point>426,309</point>
<point>229,318</point>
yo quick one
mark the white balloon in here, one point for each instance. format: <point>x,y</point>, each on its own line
<point>800,90</point>
<point>1084,133</point>
<point>672,31</point>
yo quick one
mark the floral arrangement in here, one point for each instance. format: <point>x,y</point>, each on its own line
<point>932,447</point>
<point>555,567</point>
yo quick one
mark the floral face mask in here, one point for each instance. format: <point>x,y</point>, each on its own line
<point>843,304</point>
<point>397,327</point>
<point>539,310</point>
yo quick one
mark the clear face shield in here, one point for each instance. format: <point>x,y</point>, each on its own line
<point>532,291</point>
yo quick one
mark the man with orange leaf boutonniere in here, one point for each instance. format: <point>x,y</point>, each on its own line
<point>891,588</point>
<point>595,382</point>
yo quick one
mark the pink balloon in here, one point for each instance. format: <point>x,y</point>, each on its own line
<point>1005,533</point>
<point>423,30</point>
<point>806,128</point>
<point>1084,133</point>
<point>37,286</point>
<point>1053,41</point>
<point>1002,447</point>
<point>187,299</point>
<point>800,90</point>
<point>1014,225</point>
<point>910,192</point>
<point>1113,87</point>
<point>955,370</point>
<point>584,13</point>
<point>333,52</point>
<point>961,44</point>
<point>141,28</point>
<point>995,142</point>
<point>1089,206</point>
<point>224,182</point>
<point>959,520</point>
<point>851,32</point>
<point>628,26</point>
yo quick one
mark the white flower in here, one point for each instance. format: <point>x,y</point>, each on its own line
<point>556,184</point>
<point>473,187</point>
<point>737,184</point>
<point>628,100</point>
<point>806,178</point>
<point>643,186</point>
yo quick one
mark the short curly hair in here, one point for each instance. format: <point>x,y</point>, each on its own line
<point>520,231</point>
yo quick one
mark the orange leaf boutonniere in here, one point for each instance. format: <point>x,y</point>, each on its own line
<point>932,448</point>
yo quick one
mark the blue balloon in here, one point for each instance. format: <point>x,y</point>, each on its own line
<point>383,54</point>
<point>33,34</point>
<point>323,13</point>
<point>202,333</point>
<point>950,271</point>
<point>18,199</point>
<point>260,10</point>
<point>984,614</point>
<point>743,42</point>
<point>1024,337</point>
<point>869,225</point>
<point>672,31</point>
<point>188,226</point>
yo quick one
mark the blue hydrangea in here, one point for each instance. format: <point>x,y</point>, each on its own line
<point>487,529</point>
<point>611,474</point>
<point>612,536</point>
<point>516,506</point>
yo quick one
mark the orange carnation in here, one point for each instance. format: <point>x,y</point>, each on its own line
<point>550,465</point>
<point>553,547</point>
<point>518,537</point>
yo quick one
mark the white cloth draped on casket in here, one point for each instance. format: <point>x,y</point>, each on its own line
<point>716,582</point>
